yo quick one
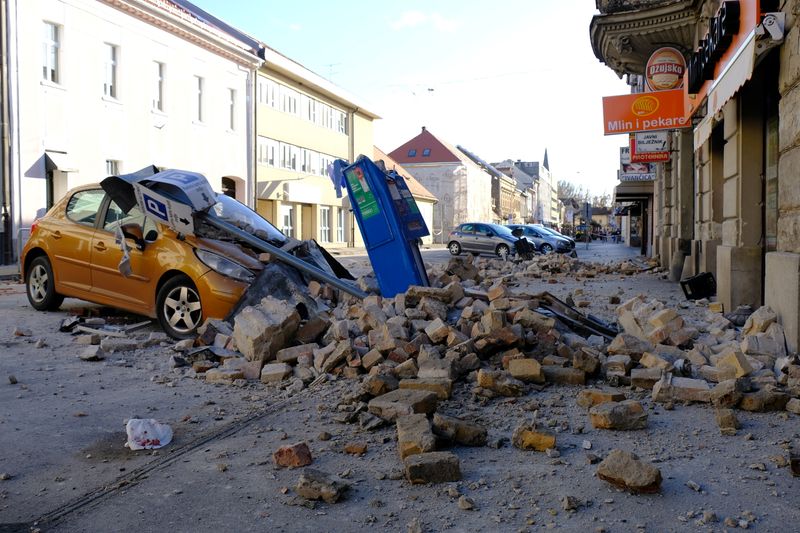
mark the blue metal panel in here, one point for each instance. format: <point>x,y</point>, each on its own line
<point>390,223</point>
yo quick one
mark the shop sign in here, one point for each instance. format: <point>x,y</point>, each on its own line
<point>649,147</point>
<point>721,30</point>
<point>628,113</point>
<point>665,69</point>
<point>637,172</point>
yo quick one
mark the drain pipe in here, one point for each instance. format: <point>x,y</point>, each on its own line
<point>7,250</point>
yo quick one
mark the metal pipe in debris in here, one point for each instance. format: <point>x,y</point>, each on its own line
<point>286,257</point>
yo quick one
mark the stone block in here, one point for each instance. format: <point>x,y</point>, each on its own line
<point>645,378</point>
<point>735,360</point>
<point>564,376</point>
<point>759,321</point>
<point>526,369</point>
<point>379,384</point>
<point>624,470</point>
<point>617,364</point>
<point>727,421</point>
<point>500,382</point>
<point>414,435</point>
<point>293,455</point>
<point>670,388</point>
<point>371,358</point>
<point>764,400</point>
<point>662,318</point>
<point>432,467</point>
<point>527,437</point>
<point>653,360</point>
<point>588,398</point>
<point>223,375</point>
<point>625,415</point>
<point>443,388</point>
<point>459,431</point>
<point>436,369</point>
<point>261,331</point>
<point>402,402</point>
<point>275,372</point>
<point>727,393</point>
<point>317,485</point>
<point>290,355</point>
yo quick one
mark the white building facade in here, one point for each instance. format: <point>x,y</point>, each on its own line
<point>104,87</point>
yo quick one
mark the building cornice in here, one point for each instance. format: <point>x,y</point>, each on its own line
<point>624,40</point>
<point>178,21</point>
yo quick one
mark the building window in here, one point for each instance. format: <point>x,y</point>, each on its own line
<point>232,109</point>
<point>340,224</point>
<point>426,152</point>
<point>412,153</point>
<point>198,98</point>
<point>289,99</point>
<point>325,224</point>
<point>287,220</point>
<point>50,61</point>
<point>110,70</point>
<point>112,167</point>
<point>158,86</point>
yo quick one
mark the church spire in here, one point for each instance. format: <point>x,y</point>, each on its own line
<point>545,164</point>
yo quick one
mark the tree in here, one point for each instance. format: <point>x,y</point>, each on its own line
<point>567,189</point>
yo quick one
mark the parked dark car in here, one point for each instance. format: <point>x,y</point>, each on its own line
<point>480,237</point>
<point>556,233</point>
<point>545,242</point>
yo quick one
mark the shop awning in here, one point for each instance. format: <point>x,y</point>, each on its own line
<point>58,161</point>
<point>633,190</point>
<point>737,72</point>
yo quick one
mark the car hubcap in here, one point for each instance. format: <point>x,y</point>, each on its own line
<point>182,309</point>
<point>454,248</point>
<point>38,283</point>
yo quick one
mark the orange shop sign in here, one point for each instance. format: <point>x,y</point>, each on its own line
<point>628,113</point>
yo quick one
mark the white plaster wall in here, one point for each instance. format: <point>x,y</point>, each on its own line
<point>74,117</point>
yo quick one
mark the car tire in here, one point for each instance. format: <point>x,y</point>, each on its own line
<point>178,307</point>
<point>40,285</point>
<point>502,250</point>
<point>454,248</point>
<point>546,248</point>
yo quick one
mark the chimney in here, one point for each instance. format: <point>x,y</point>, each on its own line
<point>423,128</point>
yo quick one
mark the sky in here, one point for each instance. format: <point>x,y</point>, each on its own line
<point>505,79</point>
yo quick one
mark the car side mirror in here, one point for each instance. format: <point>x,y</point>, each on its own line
<point>134,231</point>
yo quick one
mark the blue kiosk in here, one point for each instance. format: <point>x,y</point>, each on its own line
<point>390,222</point>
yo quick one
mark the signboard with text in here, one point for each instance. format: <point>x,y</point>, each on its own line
<point>649,147</point>
<point>637,172</point>
<point>628,113</point>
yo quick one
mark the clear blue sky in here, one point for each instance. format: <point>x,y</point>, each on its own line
<point>505,79</point>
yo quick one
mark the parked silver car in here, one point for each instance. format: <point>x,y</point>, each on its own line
<point>545,242</point>
<point>480,237</point>
<point>556,233</point>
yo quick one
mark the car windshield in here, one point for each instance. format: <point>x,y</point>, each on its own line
<point>229,210</point>
<point>500,230</point>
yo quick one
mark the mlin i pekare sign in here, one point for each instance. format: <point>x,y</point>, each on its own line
<point>628,113</point>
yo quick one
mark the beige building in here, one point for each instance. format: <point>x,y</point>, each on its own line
<point>102,87</point>
<point>303,124</point>
<point>728,201</point>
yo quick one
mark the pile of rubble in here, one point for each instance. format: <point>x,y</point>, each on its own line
<point>471,329</point>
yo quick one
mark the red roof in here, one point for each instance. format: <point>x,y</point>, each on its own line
<point>425,142</point>
<point>416,188</point>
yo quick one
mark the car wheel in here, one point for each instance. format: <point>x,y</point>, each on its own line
<point>546,248</point>
<point>502,250</point>
<point>454,248</point>
<point>40,285</point>
<point>179,308</point>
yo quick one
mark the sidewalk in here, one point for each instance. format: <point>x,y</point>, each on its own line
<point>9,272</point>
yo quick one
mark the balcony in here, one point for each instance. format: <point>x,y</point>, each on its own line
<point>626,32</point>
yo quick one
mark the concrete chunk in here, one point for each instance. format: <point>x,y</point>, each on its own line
<point>402,402</point>
<point>443,388</point>
<point>459,431</point>
<point>414,435</point>
<point>625,415</point>
<point>625,470</point>
<point>433,467</point>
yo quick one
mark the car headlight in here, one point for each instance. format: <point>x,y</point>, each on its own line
<point>224,266</point>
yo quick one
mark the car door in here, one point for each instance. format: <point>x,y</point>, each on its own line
<point>484,238</point>
<point>137,291</point>
<point>69,241</point>
<point>466,237</point>
<point>534,236</point>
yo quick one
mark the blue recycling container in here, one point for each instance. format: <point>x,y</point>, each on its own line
<point>390,223</point>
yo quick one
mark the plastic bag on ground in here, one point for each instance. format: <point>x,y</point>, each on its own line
<point>147,434</point>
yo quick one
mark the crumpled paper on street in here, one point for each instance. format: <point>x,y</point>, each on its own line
<point>147,434</point>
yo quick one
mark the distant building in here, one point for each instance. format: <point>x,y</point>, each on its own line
<point>463,188</point>
<point>504,191</point>
<point>545,205</point>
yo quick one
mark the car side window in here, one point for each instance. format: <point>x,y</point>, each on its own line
<point>115,215</point>
<point>467,228</point>
<point>84,205</point>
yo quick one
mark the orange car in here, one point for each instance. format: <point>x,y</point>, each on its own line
<point>180,280</point>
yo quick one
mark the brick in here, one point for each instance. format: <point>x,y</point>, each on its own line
<point>432,467</point>
<point>436,369</point>
<point>290,355</point>
<point>625,415</point>
<point>671,388</point>
<point>223,375</point>
<point>590,397</point>
<point>652,360</point>
<point>662,318</point>
<point>727,421</point>
<point>500,382</point>
<point>261,331</point>
<point>565,376</point>
<point>414,435</point>
<point>459,431</point>
<point>379,384</point>
<point>793,406</point>
<point>586,359</point>
<point>715,374</point>
<point>626,344</point>
<point>526,370</point>
<point>727,393</point>
<point>293,455</point>
<point>275,372</point>
<point>625,470</point>
<point>759,321</point>
<point>372,358</point>
<point>555,360</point>
<point>527,437</point>
<point>497,291</point>
<point>645,378</point>
<point>617,364</point>
<point>764,400</point>
<point>402,402</point>
<point>735,360</point>
<point>317,485</point>
<point>443,388</point>
<point>406,369</point>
